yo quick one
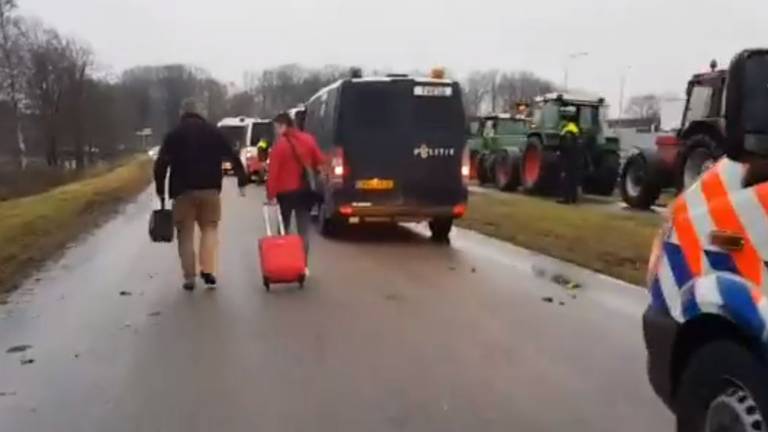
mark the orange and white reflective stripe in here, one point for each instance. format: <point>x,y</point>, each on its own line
<point>686,235</point>
<point>726,218</point>
<point>702,224</point>
<point>669,289</point>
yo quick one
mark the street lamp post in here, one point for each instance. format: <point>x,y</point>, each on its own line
<point>568,59</point>
<point>623,83</point>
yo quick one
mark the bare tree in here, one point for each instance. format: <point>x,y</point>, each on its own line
<point>241,103</point>
<point>494,91</point>
<point>283,87</point>
<point>77,61</point>
<point>644,106</point>
<point>477,88</point>
<point>46,83</point>
<point>521,86</point>
<point>12,70</point>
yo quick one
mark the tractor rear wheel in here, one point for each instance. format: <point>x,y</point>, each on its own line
<point>539,168</point>
<point>640,187</point>
<point>507,171</point>
<point>699,157</point>
<point>602,181</point>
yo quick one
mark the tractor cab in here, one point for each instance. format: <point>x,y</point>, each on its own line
<point>702,131</point>
<point>551,112</point>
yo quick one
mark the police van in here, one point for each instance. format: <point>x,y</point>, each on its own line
<point>396,146</point>
<point>706,328</point>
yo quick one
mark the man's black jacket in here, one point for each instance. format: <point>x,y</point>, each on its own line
<point>194,151</point>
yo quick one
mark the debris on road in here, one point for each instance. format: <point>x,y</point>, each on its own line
<point>548,299</point>
<point>561,303</point>
<point>7,393</point>
<point>126,293</point>
<point>127,324</point>
<point>27,361</point>
<point>155,314</point>
<point>18,349</point>
<point>474,270</point>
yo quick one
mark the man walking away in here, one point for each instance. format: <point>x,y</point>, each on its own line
<point>293,157</point>
<point>194,151</point>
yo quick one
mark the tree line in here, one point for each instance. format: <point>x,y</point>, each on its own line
<point>58,105</point>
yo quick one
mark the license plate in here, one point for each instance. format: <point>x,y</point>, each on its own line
<point>433,91</point>
<point>375,184</point>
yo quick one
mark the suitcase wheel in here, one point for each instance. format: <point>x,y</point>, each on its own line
<point>302,279</point>
<point>266,284</point>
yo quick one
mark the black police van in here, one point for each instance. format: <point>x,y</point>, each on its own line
<point>396,146</point>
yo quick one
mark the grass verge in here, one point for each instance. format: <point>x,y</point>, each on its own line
<point>615,243</point>
<point>34,228</point>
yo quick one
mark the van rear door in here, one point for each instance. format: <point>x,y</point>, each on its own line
<point>403,142</point>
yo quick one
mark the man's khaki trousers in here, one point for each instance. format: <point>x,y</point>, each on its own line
<point>201,208</point>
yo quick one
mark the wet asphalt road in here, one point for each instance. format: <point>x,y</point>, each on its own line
<point>393,333</point>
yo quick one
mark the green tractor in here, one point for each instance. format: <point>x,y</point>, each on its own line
<point>502,138</point>
<point>540,168</point>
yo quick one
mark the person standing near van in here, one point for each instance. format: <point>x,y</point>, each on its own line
<point>194,151</point>
<point>294,156</point>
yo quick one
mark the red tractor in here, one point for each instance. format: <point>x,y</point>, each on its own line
<point>679,159</point>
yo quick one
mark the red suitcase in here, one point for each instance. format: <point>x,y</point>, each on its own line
<point>283,259</point>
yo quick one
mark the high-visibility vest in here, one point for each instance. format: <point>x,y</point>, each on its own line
<point>570,127</point>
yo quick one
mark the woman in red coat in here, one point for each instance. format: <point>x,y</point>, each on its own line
<point>294,154</point>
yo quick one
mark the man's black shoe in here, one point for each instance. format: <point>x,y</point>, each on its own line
<point>208,279</point>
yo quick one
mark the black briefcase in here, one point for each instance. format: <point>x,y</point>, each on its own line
<point>161,225</point>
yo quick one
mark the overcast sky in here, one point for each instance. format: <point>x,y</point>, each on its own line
<point>659,43</point>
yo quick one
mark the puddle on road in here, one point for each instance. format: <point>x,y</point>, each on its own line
<point>570,287</point>
<point>18,349</point>
<point>556,278</point>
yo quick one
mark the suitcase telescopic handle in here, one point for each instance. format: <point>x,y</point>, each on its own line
<point>268,224</point>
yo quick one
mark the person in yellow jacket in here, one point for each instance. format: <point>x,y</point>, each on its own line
<point>262,149</point>
<point>571,155</point>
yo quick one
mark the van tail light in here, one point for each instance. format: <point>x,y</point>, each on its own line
<point>338,169</point>
<point>459,210</point>
<point>466,167</point>
<point>346,210</point>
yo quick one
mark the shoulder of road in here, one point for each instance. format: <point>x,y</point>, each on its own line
<point>595,234</point>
